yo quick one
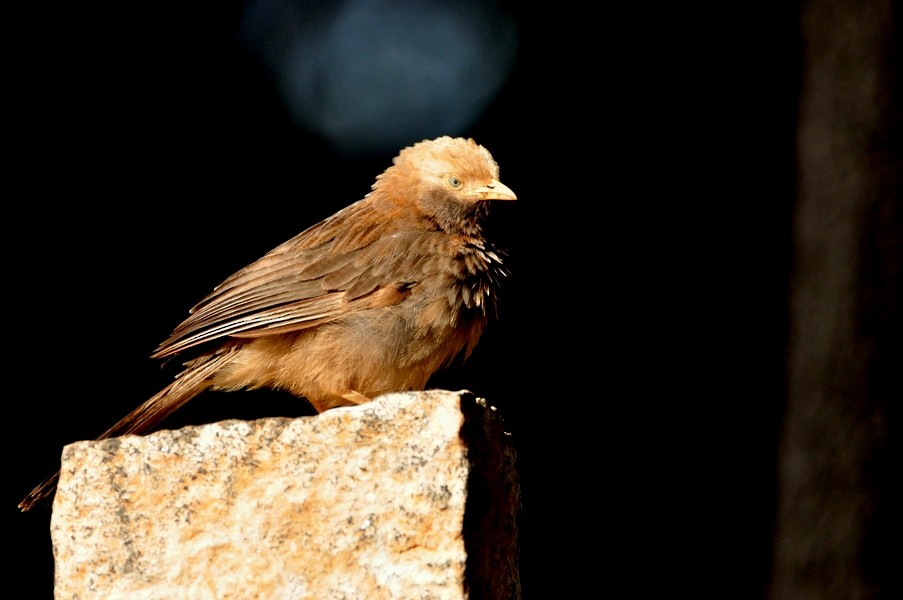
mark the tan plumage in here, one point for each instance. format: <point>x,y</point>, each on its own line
<point>374,299</point>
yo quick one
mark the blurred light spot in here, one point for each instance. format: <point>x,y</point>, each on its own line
<point>376,75</point>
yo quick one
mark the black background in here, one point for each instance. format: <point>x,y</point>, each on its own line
<point>638,360</point>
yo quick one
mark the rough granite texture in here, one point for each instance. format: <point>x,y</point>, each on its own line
<point>413,495</point>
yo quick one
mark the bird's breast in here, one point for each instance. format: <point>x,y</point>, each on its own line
<point>470,287</point>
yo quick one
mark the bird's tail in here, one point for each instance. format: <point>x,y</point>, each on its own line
<point>188,384</point>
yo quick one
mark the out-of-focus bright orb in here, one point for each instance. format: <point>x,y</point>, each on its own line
<point>376,75</point>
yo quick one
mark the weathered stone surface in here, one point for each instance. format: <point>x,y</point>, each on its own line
<point>410,496</point>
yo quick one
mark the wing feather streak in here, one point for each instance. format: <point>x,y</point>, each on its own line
<point>293,288</point>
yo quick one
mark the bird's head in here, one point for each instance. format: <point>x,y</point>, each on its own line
<point>448,181</point>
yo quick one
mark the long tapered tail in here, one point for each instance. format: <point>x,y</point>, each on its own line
<point>188,384</point>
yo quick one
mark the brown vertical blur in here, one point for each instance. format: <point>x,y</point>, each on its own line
<point>835,507</point>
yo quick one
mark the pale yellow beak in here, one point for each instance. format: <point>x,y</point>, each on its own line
<point>494,190</point>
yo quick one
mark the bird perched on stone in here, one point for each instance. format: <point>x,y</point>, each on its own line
<point>374,299</point>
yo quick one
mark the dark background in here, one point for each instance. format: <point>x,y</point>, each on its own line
<point>639,357</point>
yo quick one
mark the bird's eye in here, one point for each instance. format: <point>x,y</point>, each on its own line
<point>454,182</point>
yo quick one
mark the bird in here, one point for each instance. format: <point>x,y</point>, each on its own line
<point>373,299</point>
